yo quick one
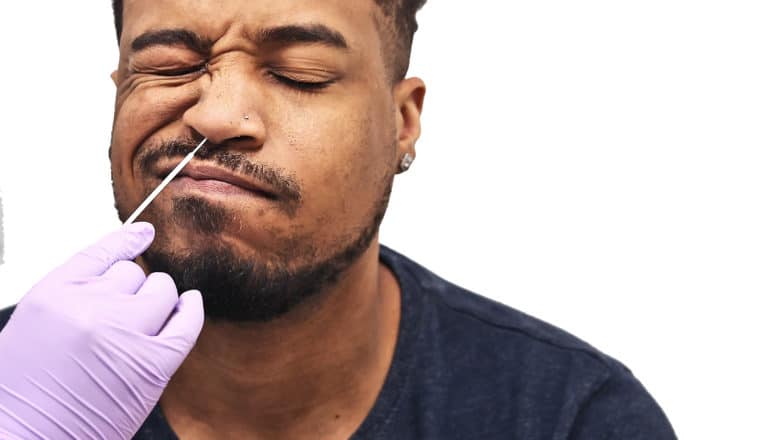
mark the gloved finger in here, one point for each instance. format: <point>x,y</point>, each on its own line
<point>126,243</point>
<point>124,277</point>
<point>185,324</point>
<point>156,300</point>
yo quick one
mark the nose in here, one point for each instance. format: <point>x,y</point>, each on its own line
<point>227,111</point>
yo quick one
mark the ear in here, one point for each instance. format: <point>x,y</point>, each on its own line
<point>408,96</point>
<point>114,76</point>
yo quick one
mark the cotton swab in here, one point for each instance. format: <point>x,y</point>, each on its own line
<point>163,184</point>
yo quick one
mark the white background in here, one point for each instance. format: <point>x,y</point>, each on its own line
<point>602,165</point>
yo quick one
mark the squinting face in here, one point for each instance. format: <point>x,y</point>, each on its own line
<point>295,100</point>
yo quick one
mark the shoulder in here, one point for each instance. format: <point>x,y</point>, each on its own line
<point>488,352</point>
<point>621,408</point>
<point>467,313</point>
<point>5,315</point>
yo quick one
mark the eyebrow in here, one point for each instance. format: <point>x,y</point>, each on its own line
<point>172,37</point>
<point>313,33</point>
<point>302,33</point>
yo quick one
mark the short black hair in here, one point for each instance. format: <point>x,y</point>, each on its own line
<point>400,26</point>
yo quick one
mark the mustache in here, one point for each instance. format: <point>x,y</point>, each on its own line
<point>281,181</point>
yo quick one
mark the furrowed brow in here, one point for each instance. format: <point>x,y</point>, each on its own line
<point>303,33</point>
<point>172,37</point>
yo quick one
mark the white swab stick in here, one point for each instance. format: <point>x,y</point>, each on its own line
<point>163,184</point>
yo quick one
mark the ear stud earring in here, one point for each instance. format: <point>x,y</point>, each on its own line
<point>406,162</point>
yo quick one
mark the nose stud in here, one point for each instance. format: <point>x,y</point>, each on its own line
<point>246,117</point>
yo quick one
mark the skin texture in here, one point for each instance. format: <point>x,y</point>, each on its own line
<point>315,371</point>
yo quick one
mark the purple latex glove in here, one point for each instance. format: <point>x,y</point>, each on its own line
<point>89,350</point>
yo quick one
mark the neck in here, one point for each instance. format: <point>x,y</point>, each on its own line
<point>314,373</point>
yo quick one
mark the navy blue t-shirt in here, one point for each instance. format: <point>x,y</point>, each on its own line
<point>466,367</point>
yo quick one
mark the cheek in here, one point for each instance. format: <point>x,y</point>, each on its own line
<point>140,113</point>
<point>343,164</point>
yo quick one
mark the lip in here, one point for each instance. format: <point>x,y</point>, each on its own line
<point>208,177</point>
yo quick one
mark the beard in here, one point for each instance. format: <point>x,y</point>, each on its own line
<point>253,288</point>
<point>259,286</point>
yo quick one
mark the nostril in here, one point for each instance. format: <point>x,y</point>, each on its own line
<point>243,143</point>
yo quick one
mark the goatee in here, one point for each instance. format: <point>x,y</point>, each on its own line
<point>249,288</point>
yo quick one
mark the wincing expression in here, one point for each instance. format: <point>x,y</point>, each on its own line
<point>297,104</point>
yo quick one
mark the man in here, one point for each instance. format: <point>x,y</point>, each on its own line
<point>312,330</point>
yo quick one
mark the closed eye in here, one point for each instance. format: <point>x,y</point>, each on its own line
<point>183,71</point>
<point>308,86</point>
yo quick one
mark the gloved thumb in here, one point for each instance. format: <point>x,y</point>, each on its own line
<point>186,322</point>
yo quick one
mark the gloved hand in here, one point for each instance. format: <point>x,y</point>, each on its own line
<point>89,350</point>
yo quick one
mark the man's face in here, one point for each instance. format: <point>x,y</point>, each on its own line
<point>295,100</point>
